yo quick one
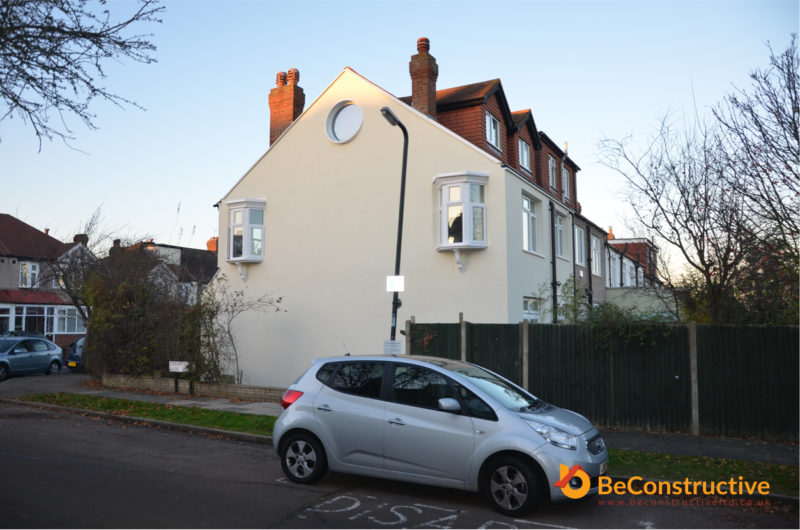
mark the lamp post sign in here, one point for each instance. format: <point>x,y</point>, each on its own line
<point>394,284</point>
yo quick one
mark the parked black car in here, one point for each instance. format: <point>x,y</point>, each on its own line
<point>75,357</point>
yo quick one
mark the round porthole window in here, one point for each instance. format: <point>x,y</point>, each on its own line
<point>344,122</point>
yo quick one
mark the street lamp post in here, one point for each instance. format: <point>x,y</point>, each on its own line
<point>393,120</point>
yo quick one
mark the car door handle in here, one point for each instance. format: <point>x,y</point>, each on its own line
<point>324,408</point>
<point>397,421</point>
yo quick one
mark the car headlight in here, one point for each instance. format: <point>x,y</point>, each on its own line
<point>554,436</point>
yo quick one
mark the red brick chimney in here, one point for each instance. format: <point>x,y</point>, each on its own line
<point>286,102</point>
<point>424,72</point>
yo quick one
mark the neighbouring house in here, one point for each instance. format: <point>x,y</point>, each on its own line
<point>589,258</point>
<point>186,271</point>
<point>490,224</point>
<point>632,279</point>
<point>30,297</point>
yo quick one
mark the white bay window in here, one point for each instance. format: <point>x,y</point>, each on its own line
<point>246,230</point>
<point>462,210</point>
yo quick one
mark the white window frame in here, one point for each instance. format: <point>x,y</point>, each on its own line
<point>530,224</point>
<point>524,154</point>
<point>473,208</point>
<point>613,272</point>
<point>531,308</point>
<point>580,246</point>
<point>596,265</point>
<point>28,274</point>
<point>68,321</point>
<point>493,131</point>
<point>565,182</point>
<point>559,235</point>
<point>551,168</point>
<point>248,225</point>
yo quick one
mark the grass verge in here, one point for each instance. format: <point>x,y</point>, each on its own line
<point>782,479</point>
<point>194,416</point>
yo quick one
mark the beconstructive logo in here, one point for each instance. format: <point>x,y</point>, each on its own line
<point>567,476</point>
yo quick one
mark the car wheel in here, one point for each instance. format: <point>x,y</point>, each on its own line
<point>53,369</point>
<point>513,486</point>
<point>303,459</point>
<point>3,372</point>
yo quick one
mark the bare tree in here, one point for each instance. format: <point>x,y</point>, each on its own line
<point>677,197</point>
<point>52,53</point>
<point>724,195</point>
<point>762,128</point>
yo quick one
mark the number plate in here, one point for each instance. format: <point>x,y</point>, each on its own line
<point>72,364</point>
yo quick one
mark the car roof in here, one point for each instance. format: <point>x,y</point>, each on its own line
<point>440,362</point>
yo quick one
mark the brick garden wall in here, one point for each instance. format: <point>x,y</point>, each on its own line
<point>167,384</point>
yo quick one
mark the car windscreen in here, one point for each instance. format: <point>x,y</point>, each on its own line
<point>498,389</point>
<point>6,345</point>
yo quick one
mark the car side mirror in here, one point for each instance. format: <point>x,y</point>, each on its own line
<point>449,405</point>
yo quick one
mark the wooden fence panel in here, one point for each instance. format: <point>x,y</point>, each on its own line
<point>496,347</point>
<point>748,380</point>
<point>439,340</point>
<point>747,376</point>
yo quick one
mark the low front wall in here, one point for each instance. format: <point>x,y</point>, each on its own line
<point>167,384</point>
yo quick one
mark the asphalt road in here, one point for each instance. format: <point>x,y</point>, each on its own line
<point>72,471</point>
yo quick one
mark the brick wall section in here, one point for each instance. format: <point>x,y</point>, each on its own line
<point>167,384</point>
<point>470,124</point>
<point>286,102</point>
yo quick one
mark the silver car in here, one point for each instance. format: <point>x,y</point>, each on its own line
<point>438,422</point>
<point>25,355</point>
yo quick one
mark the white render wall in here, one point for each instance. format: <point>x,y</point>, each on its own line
<point>330,236</point>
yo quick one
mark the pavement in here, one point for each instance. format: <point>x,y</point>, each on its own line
<point>783,453</point>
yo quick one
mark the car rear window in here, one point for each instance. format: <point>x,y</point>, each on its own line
<point>359,378</point>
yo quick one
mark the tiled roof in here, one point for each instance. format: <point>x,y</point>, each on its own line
<point>24,296</point>
<point>462,95</point>
<point>24,241</point>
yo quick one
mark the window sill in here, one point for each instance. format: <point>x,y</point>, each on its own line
<point>245,260</point>
<point>461,246</point>
<point>533,253</point>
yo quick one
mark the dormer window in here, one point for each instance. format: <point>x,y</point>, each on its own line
<point>462,210</point>
<point>524,155</point>
<point>551,167</point>
<point>492,131</point>
<point>246,230</point>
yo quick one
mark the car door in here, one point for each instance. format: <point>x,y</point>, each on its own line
<point>350,412</point>
<point>41,353</point>
<point>19,357</point>
<point>421,439</point>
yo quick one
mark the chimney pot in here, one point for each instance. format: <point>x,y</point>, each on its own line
<point>211,244</point>
<point>286,102</point>
<point>424,72</point>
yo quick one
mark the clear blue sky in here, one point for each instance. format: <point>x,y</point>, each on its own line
<point>587,69</point>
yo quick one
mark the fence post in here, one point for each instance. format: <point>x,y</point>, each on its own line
<point>694,380</point>
<point>463,338</point>
<point>409,324</point>
<point>524,351</point>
